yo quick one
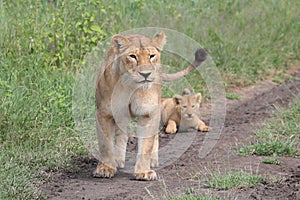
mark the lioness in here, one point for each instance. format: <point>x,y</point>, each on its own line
<point>129,86</point>
<point>182,113</point>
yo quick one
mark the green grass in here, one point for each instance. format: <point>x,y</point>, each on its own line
<point>281,78</point>
<point>272,160</point>
<point>192,194</point>
<point>233,96</point>
<point>202,197</point>
<point>36,133</point>
<point>279,136</point>
<point>233,180</point>
<point>44,42</point>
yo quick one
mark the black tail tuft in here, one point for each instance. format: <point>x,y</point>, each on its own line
<point>200,55</point>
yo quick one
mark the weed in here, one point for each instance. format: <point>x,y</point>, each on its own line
<point>201,197</point>
<point>233,96</point>
<point>233,180</point>
<point>274,161</point>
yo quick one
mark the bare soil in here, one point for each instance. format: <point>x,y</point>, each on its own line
<point>188,173</point>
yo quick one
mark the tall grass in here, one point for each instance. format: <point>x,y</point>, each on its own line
<point>36,130</point>
<point>43,43</point>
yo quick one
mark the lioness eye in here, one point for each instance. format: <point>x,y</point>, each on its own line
<point>151,56</point>
<point>193,106</point>
<point>132,56</point>
<point>184,106</point>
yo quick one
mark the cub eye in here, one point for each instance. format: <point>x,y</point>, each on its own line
<point>184,106</point>
<point>132,56</point>
<point>152,56</point>
<point>193,106</point>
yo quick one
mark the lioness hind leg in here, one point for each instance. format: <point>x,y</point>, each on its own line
<point>202,127</point>
<point>171,127</point>
<point>120,147</point>
<point>154,156</point>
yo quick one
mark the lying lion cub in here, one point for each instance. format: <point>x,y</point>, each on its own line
<point>129,87</point>
<point>181,113</point>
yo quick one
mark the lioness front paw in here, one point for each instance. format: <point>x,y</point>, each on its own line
<point>171,129</point>
<point>146,176</point>
<point>204,128</point>
<point>104,171</point>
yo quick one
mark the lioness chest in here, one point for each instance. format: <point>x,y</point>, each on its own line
<point>145,102</point>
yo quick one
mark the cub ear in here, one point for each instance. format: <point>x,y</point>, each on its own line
<point>186,91</point>
<point>118,42</point>
<point>198,97</point>
<point>159,40</point>
<point>177,99</point>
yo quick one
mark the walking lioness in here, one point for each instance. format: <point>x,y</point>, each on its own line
<point>129,86</point>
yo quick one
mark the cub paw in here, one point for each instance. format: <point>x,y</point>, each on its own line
<point>204,128</point>
<point>146,176</point>
<point>104,171</point>
<point>171,129</point>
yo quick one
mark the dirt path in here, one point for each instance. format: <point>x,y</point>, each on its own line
<point>257,104</point>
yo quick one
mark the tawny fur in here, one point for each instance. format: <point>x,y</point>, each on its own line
<point>129,86</point>
<point>181,113</point>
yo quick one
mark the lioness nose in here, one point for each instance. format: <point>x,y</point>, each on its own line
<point>189,115</point>
<point>145,74</point>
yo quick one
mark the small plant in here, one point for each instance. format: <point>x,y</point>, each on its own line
<point>281,78</point>
<point>201,197</point>
<point>233,96</point>
<point>269,148</point>
<point>279,136</point>
<point>273,160</point>
<point>233,180</point>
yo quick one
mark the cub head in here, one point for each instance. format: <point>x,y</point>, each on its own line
<point>137,59</point>
<point>188,105</point>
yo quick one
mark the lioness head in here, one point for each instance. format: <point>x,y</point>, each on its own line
<point>188,105</point>
<point>138,59</point>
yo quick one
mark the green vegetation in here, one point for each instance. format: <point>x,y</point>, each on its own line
<point>273,160</point>
<point>44,42</point>
<point>36,130</point>
<point>233,96</point>
<point>192,194</point>
<point>201,197</point>
<point>279,136</point>
<point>281,78</point>
<point>233,180</point>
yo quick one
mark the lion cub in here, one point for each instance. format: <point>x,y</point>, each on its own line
<point>181,113</point>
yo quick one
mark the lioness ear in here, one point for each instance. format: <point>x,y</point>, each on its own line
<point>159,40</point>
<point>118,42</point>
<point>177,99</point>
<point>198,97</point>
